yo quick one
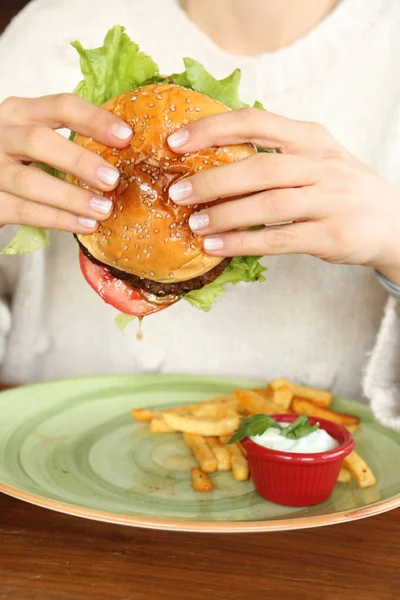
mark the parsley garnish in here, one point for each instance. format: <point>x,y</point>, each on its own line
<point>258,424</point>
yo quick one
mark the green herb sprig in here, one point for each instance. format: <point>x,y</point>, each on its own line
<point>258,424</point>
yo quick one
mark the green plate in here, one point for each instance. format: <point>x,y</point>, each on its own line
<point>72,446</point>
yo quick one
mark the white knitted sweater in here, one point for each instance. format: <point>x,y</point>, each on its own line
<point>310,321</point>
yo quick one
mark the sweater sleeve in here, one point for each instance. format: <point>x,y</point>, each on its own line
<point>382,377</point>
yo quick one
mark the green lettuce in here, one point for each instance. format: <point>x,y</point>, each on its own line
<point>122,321</point>
<point>116,67</point>
<point>119,66</point>
<point>241,268</point>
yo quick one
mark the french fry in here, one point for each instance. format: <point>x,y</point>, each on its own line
<point>201,451</point>
<point>203,426</point>
<point>216,410</point>
<point>158,425</point>
<point>360,470</point>
<point>300,407</point>
<point>319,397</point>
<point>282,397</point>
<point>220,452</point>
<point>265,392</point>
<point>253,403</point>
<point>144,415</point>
<point>344,475</point>
<point>201,481</point>
<point>240,465</point>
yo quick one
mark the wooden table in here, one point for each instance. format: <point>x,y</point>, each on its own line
<point>50,556</point>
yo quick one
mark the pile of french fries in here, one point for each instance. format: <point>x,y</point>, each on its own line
<point>208,426</point>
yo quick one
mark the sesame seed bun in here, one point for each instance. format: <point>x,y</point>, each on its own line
<point>148,235</point>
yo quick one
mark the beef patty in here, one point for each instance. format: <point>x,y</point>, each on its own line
<point>159,289</point>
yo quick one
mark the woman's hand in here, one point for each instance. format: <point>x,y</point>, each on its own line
<point>28,195</point>
<point>331,205</point>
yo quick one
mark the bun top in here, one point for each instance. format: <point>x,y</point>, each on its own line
<point>148,235</point>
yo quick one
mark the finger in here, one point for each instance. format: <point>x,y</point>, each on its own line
<point>296,238</point>
<point>266,208</point>
<point>67,110</point>
<point>36,186</point>
<point>259,172</point>
<point>44,145</point>
<point>264,129</point>
<point>18,211</point>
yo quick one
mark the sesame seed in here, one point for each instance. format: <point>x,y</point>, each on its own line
<point>134,98</point>
<point>172,108</point>
<point>159,97</point>
<point>183,159</point>
<point>127,162</point>
<point>137,247</point>
<point>197,108</point>
<point>172,226</point>
<point>214,163</point>
<point>188,100</point>
<point>165,240</point>
<point>171,274</point>
<point>200,168</point>
<point>151,104</point>
<point>145,116</point>
<point>98,152</point>
<point>114,215</point>
<point>156,231</point>
<point>126,247</point>
<point>168,216</point>
<point>126,259</point>
<point>131,179</point>
<point>184,215</point>
<point>192,247</point>
<point>140,237</point>
<point>189,110</point>
<point>128,239</point>
<point>178,235</point>
<point>148,236</point>
<point>125,227</point>
<point>151,274</point>
<point>138,256</point>
<point>141,138</point>
<point>205,161</point>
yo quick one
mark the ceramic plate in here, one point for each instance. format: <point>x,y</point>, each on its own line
<point>72,446</point>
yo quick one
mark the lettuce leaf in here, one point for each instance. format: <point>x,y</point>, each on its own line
<point>27,239</point>
<point>116,67</point>
<point>122,321</point>
<point>224,90</point>
<point>241,269</point>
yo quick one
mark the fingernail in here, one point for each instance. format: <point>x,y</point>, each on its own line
<point>199,221</point>
<point>107,175</point>
<point>121,132</point>
<point>213,244</point>
<point>179,138</point>
<point>181,190</point>
<point>88,223</point>
<point>100,205</point>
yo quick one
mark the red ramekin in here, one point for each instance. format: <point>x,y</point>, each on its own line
<point>298,479</point>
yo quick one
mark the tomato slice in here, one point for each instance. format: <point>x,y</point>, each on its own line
<point>115,292</point>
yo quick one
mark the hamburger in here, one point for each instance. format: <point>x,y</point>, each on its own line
<point>145,256</point>
<point>147,245</point>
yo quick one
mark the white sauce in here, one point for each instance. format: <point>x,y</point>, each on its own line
<point>316,441</point>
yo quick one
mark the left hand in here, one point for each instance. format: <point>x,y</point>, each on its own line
<point>331,205</point>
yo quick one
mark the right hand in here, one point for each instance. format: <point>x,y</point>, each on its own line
<point>28,195</point>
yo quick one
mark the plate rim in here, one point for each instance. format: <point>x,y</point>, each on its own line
<point>176,525</point>
<point>203,526</point>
